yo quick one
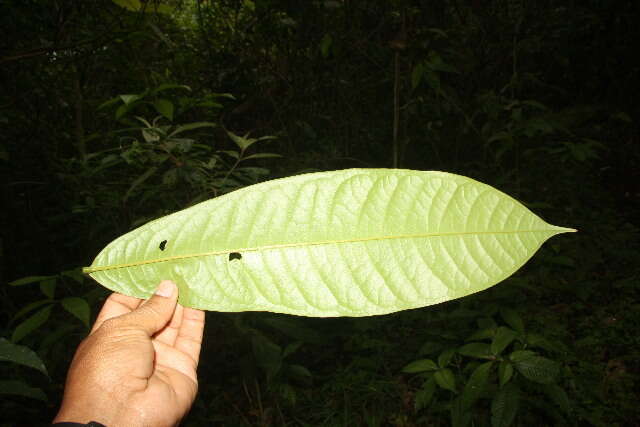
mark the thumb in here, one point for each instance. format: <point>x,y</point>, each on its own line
<point>156,312</point>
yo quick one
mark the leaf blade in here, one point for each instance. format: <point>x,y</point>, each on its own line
<point>22,355</point>
<point>396,239</point>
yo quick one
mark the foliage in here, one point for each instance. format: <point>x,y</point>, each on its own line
<point>499,362</point>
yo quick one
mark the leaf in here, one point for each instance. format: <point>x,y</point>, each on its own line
<point>513,319</point>
<point>356,242</point>
<point>420,365</point>
<point>502,339</point>
<point>191,126</point>
<point>416,75</point>
<point>476,349</point>
<point>460,416</point>
<point>77,307</point>
<point>538,369</point>
<point>425,394</point>
<point>262,156</point>
<point>168,86</point>
<point>445,379</point>
<point>504,406</point>
<point>31,324</point>
<point>139,180</point>
<point>505,372</point>
<point>30,279</point>
<point>558,396</point>
<point>325,45</point>
<point>129,99</point>
<point>268,355</point>
<point>30,307</point>
<point>20,388</point>
<point>21,355</point>
<point>48,287</point>
<point>476,384</point>
<point>445,357</point>
<point>164,107</point>
<point>75,274</point>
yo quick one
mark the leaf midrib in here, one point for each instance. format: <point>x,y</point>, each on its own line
<point>318,243</point>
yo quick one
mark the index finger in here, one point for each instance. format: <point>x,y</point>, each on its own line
<point>189,339</point>
<point>116,305</point>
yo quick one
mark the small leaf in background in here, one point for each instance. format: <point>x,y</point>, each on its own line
<point>476,349</point>
<point>243,142</point>
<point>504,406</point>
<point>20,354</point>
<point>445,357</point>
<point>262,156</point>
<point>128,99</point>
<point>75,274</point>
<point>482,334</point>
<point>513,319</point>
<point>19,388</point>
<point>48,287</point>
<point>268,355</point>
<point>521,355</point>
<point>445,379</point>
<point>78,307</point>
<point>29,279</point>
<point>421,365</point>
<point>503,338</point>
<point>325,45</point>
<point>191,126</point>
<point>416,75</point>
<point>460,416</point>
<point>538,369</point>
<point>476,385</point>
<point>31,324</point>
<point>558,396</point>
<point>30,307</point>
<point>164,107</point>
<point>300,374</point>
<point>505,372</point>
<point>140,180</point>
<point>538,341</point>
<point>425,394</point>
<point>121,111</point>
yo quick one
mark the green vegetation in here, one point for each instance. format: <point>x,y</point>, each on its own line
<point>117,112</point>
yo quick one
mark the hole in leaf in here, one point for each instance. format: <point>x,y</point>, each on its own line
<point>163,244</point>
<point>234,255</point>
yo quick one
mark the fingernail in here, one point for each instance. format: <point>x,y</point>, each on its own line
<point>166,288</point>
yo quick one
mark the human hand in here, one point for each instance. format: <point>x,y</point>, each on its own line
<point>138,365</point>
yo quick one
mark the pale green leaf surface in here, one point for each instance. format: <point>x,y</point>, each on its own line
<point>354,242</point>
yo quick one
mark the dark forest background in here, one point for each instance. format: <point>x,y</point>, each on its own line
<point>115,112</point>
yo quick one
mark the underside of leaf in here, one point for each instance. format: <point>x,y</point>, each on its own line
<point>355,242</point>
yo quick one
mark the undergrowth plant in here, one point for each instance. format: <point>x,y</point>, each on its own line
<point>494,375</point>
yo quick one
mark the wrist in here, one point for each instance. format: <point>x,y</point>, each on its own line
<point>84,412</point>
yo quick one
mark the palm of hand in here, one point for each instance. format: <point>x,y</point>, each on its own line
<point>136,367</point>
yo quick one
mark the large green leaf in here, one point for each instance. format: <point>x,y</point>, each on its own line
<point>355,242</point>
